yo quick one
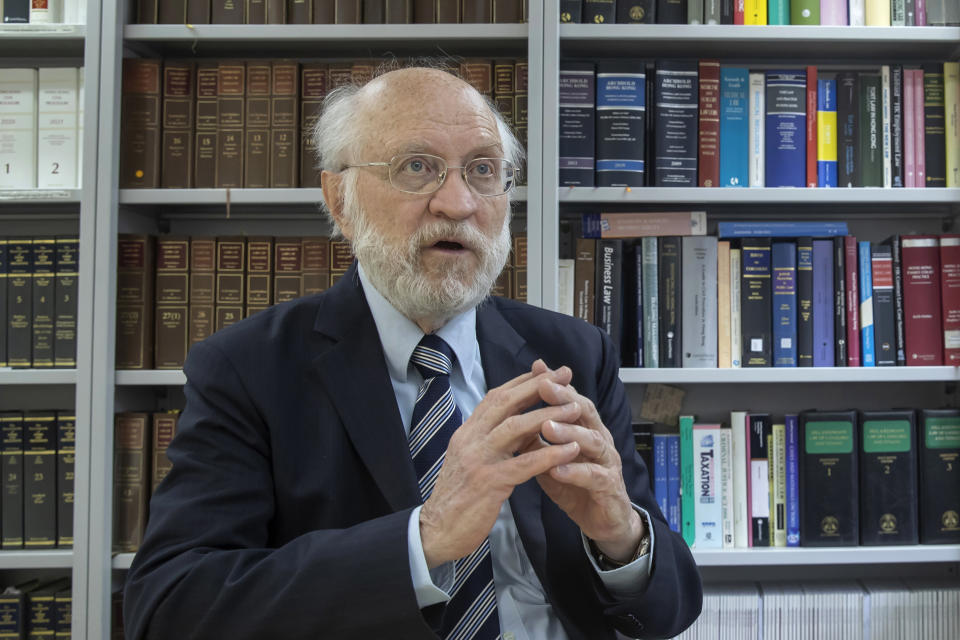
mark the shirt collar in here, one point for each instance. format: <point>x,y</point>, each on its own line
<point>399,335</point>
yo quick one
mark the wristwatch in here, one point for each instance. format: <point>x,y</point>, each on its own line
<point>608,564</point>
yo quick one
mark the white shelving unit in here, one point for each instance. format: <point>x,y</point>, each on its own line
<point>37,377</point>
<point>54,559</point>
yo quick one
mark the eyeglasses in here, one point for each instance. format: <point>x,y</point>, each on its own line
<point>422,173</point>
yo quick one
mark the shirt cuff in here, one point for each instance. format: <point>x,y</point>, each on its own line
<point>431,586</point>
<point>629,580</point>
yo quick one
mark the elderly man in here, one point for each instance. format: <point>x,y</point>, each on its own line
<point>401,456</point>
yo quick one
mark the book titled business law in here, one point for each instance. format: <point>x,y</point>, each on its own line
<point>785,123</point>
<point>708,510</point>
<point>577,124</point>
<point>609,296</point>
<point>699,301</point>
<point>939,450</point>
<point>888,478</point>
<point>620,121</point>
<point>829,479</point>
<point>644,224</point>
<point>676,123</point>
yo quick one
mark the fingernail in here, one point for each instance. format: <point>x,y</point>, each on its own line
<point>563,469</point>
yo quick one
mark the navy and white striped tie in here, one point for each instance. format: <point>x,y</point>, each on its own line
<point>472,610</point>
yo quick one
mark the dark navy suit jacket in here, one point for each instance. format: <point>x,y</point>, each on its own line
<point>285,514</point>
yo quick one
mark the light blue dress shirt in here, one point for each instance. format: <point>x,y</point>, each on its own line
<point>525,613</point>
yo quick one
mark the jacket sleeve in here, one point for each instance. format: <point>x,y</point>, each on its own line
<point>208,566</point>
<point>673,596</point>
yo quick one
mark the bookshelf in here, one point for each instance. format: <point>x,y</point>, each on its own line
<point>54,212</point>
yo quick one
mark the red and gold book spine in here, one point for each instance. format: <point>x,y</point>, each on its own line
<point>708,161</point>
<point>811,126</point>
<point>950,297</point>
<point>923,331</point>
<point>478,73</point>
<point>171,329</point>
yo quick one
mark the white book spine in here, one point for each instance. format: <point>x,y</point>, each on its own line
<point>18,129</point>
<point>699,292</point>
<point>81,82</point>
<point>565,282</point>
<point>741,519</point>
<point>857,13</point>
<point>708,512</point>
<point>57,128</point>
<point>42,12</point>
<point>735,328</point>
<point>726,487</point>
<point>887,143</point>
<point>757,128</point>
<point>71,12</point>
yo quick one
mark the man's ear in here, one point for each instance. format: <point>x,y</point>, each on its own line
<point>332,184</point>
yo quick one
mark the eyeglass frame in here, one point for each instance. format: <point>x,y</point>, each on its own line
<point>443,174</point>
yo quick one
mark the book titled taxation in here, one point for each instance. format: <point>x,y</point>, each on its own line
<point>577,128</point>
<point>620,121</point>
<point>708,511</point>
<point>755,302</point>
<point>677,108</point>
<point>939,455</point>
<point>829,479</point>
<point>888,477</point>
<point>784,290</point>
<point>923,331</point>
<point>644,224</point>
<point>698,276</point>
<point>785,128</point>
<point>734,127</point>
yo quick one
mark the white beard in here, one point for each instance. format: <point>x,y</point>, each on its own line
<point>396,270</point>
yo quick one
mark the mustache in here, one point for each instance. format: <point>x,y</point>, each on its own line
<point>459,232</point>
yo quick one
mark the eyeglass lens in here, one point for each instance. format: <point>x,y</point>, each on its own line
<point>421,173</point>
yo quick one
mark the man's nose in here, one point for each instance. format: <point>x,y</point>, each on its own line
<point>454,199</point>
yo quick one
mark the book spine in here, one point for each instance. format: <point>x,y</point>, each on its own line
<point>851,262</point>
<point>847,122</point>
<point>198,11</point>
<point>950,297</point>
<point>919,128</point>
<point>660,471</point>
<point>577,117</point>
<point>829,512</point>
<point>179,122</point>
<point>894,242</point>
<point>866,306</point>
<point>620,123</point>
<point>651,303</point>
<point>871,125</point>
<point>19,302</point>
<point>939,448</point>
<point>726,487</point>
<point>164,429</point>
<point>934,125</point>
<point>504,11</point>
<point>708,513</point>
<point>694,11</point>
<point>570,11</point>
<point>741,517</point>
<point>256,138</point>
<point>909,131</point>
<point>632,349</point>
<point>778,488</point>
<point>805,302</point>
<point>131,480</point>
<point>66,465</point>
<point>11,465</point>
<point>823,338</point>
<point>585,278</point>
<point>826,132</point>
<point>805,12</point>
<point>671,12</point>
<point>833,12</point>
<point>259,274</point>
<point>227,12</point>
<point>641,225</point>
<point>316,264</point>
<point>147,11</point>
<point>505,87</point>
<point>910,13</point>
<point>135,286</point>
<point>609,296</point>
<point>757,129</point>
<point>140,124</point>
<point>923,331</point>
<point>284,118</point>
<point>170,11</point>
<point>313,83</point>
<point>755,302</point>
<point>887,146</point>
<point>481,11</point>
<point>40,480</point>
<point>736,330</point>
<point>298,12</point>
<point>230,290</point>
<point>44,298</point>
<point>230,123</point>
<point>734,127</point>
<point>4,320</point>
<point>812,144</point>
<point>755,12</point>
<point>674,515</point>
<point>778,12</point>
<point>786,115</point>
<point>670,293</point>
<point>951,85</point>
<point>521,101</point>
<point>839,303</point>
<point>628,11</point>
<point>171,310</point>
<point>784,290</point>
<point>676,110</point>
<point>888,478</point>
<point>202,287</point>
<point>760,428</point>
<point>792,477</point>
<point>324,11</point>
<point>884,334</point>
<point>896,125</point>
<point>877,13</point>
<point>287,269</point>
<point>205,146</point>
<point>687,490</point>
<point>723,304</point>
<point>898,13</point>
<point>265,11</point>
<point>448,11</point>
<point>57,128</point>
<point>698,288</point>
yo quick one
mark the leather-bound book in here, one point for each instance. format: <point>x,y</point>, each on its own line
<point>65,306</point>
<point>284,119</point>
<point>298,11</point>
<point>198,11</point>
<point>205,142</point>
<point>171,11</point>
<point>476,11</point>
<point>256,144</point>
<point>507,11</point>
<point>257,11</point>
<point>203,252</point>
<point>323,12</point>
<point>316,264</point>
<point>135,282</point>
<point>176,167</point>
<point>140,124</point>
<point>44,300</point>
<point>164,429</point>
<point>231,269</point>
<point>288,269</point>
<point>171,311</point>
<point>313,82</point>
<point>374,11</point>
<point>230,121</point>
<point>399,11</point>
<point>259,268</point>
<point>131,480</point>
<point>40,481</point>
<point>66,464</point>
<point>347,12</point>
<point>227,12</point>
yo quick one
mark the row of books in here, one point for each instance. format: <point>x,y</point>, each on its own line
<point>796,300</point>
<point>140,441</point>
<point>38,459</point>
<point>686,123</point>
<point>37,608</point>
<point>872,609</point>
<point>235,123</point>
<point>817,478</point>
<point>41,141</point>
<point>330,11</point>
<point>174,291</point>
<point>38,301</point>
<point>43,11</point>
<point>871,13</point>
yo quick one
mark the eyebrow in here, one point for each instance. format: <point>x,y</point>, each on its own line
<point>476,152</point>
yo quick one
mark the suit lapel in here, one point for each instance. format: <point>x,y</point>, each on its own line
<point>354,373</point>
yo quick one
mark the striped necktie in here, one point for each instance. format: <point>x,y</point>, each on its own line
<point>471,612</point>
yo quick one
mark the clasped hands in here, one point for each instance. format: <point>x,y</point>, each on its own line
<point>500,447</point>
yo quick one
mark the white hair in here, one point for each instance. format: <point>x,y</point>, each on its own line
<point>337,135</point>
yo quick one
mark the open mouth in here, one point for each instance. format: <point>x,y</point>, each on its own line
<point>448,245</point>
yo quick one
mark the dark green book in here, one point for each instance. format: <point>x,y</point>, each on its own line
<point>888,477</point>
<point>66,465</point>
<point>3,302</point>
<point>44,301</point>
<point>829,479</point>
<point>636,11</point>
<point>939,453</point>
<point>599,11</point>
<point>40,480</point>
<point>934,126</point>
<point>11,468</point>
<point>19,301</point>
<point>669,264</point>
<point>870,131</point>
<point>63,613</point>
<point>848,140</point>
<point>65,312</point>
